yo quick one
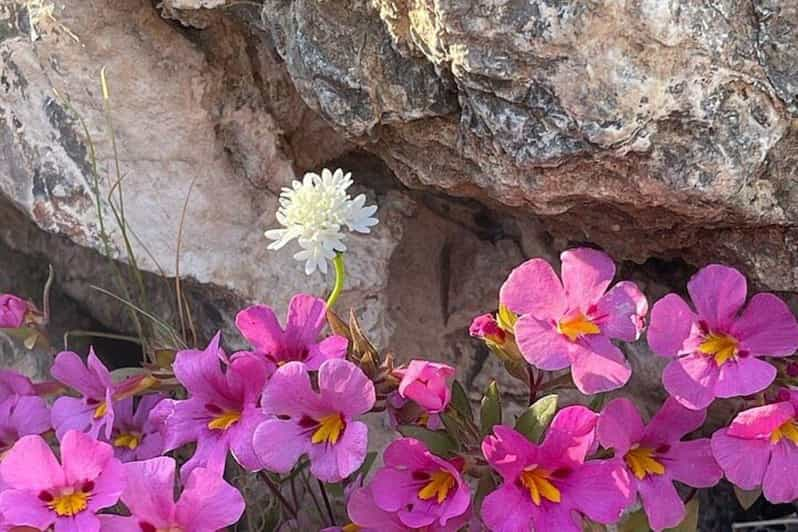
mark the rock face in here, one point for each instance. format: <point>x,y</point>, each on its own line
<point>664,132</point>
<point>650,128</point>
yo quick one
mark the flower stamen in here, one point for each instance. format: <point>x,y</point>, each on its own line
<point>69,503</point>
<point>225,420</point>
<point>131,440</point>
<point>642,463</point>
<point>788,430</point>
<point>719,346</point>
<point>537,481</point>
<point>330,429</point>
<point>576,326</point>
<point>439,485</point>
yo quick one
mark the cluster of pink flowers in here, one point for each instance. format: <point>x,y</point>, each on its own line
<point>297,400</point>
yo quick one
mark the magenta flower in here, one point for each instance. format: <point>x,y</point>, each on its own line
<point>22,416</point>
<point>421,488</point>
<point>655,456</point>
<point>12,311</point>
<point>95,410</point>
<point>571,323</point>
<point>41,493</point>
<point>221,411</point>
<point>366,516</point>
<point>207,503</point>
<point>426,383</point>
<point>548,486</point>
<point>299,341</point>
<point>135,436</point>
<point>760,448</point>
<point>319,424</point>
<point>716,349</point>
<point>487,328</point>
<point>14,384</point>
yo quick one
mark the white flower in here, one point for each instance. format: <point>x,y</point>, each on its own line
<point>316,212</point>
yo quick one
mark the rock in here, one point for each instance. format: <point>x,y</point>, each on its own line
<point>650,129</point>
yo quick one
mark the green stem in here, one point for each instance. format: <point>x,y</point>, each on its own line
<point>340,274</point>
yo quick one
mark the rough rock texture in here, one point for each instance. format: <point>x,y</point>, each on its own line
<point>651,128</point>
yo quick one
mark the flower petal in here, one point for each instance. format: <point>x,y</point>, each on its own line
<point>345,387</point>
<point>26,509</point>
<point>69,369</point>
<point>330,348</point>
<point>70,413</point>
<point>760,422</point>
<point>201,373</point>
<point>691,380</point>
<point>744,376</point>
<point>392,489</point>
<point>619,426</point>
<point>692,463</point>
<point>306,315</point>
<point>661,501</point>
<point>569,437</point>
<point>743,461</point>
<point>586,274</point>
<point>289,393</point>
<point>150,488</point>
<point>495,507</point>
<point>718,293</point>
<point>621,311</point>
<point>241,438</point>
<point>331,463</point>
<point>608,478</point>
<point>208,502</point>
<point>259,325</point>
<point>779,485</point>
<point>598,366</point>
<point>509,452</point>
<point>279,444</point>
<point>363,511</point>
<point>767,327</point>
<point>16,470</point>
<point>83,457</point>
<point>672,422</point>
<point>670,325</point>
<point>541,345</point>
<point>534,288</point>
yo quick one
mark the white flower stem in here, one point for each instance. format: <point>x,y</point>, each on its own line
<point>340,274</point>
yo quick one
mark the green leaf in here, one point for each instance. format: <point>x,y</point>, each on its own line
<point>537,417</point>
<point>460,400</point>
<point>459,428</point>
<point>486,485</point>
<point>747,498</point>
<point>690,521</point>
<point>364,469</point>
<point>437,441</point>
<point>634,522</point>
<point>490,413</point>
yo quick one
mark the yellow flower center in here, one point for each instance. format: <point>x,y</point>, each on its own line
<point>439,485</point>
<point>640,460</point>
<point>101,410</point>
<point>225,420</point>
<point>540,487</point>
<point>788,430</point>
<point>576,326</point>
<point>351,527</point>
<point>131,440</point>
<point>330,429</point>
<point>721,347</point>
<point>69,503</point>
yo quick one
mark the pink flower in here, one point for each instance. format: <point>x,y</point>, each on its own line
<point>403,411</point>
<point>547,486</point>
<point>12,311</point>
<point>299,341</point>
<point>135,436</point>
<point>14,384</point>
<point>760,448</point>
<point>366,516</point>
<point>571,323</point>
<point>487,328</point>
<point>95,410</point>
<point>421,488</point>
<point>221,411</point>
<point>41,492</point>
<point>22,416</point>
<point>716,349</point>
<point>207,503</point>
<point>319,424</point>
<point>426,384</point>
<point>655,456</point>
